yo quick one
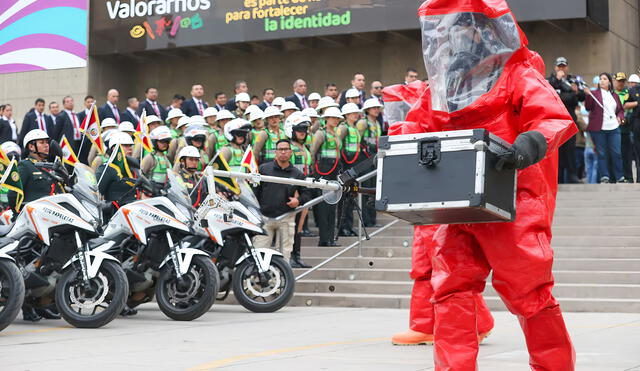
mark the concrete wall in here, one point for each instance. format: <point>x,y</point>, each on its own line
<point>21,89</point>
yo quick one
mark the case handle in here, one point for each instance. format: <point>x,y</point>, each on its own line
<point>429,151</point>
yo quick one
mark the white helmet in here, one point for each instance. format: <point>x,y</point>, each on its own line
<point>352,93</point>
<point>371,103</point>
<point>243,97</point>
<point>332,112</point>
<point>236,125</point>
<point>152,118</point>
<point>294,121</point>
<point>8,147</point>
<point>350,108</point>
<point>251,109</point>
<point>34,134</point>
<point>224,114</point>
<point>175,112</point>
<point>120,138</point>
<point>210,111</point>
<point>256,115</point>
<point>310,112</point>
<point>195,131</point>
<point>196,120</point>
<point>272,111</point>
<point>634,78</point>
<point>326,102</point>
<point>160,133</point>
<point>278,101</point>
<point>126,127</point>
<point>188,151</point>
<point>314,96</point>
<point>184,120</point>
<point>289,106</point>
<point>108,123</point>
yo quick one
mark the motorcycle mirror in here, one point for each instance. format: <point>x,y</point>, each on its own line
<point>332,197</point>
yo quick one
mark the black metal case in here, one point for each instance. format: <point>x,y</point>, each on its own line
<point>445,178</point>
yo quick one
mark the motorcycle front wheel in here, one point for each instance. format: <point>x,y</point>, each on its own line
<point>267,292</point>
<point>11,292</point>
<point>190,296</point>
<point>94,304</point>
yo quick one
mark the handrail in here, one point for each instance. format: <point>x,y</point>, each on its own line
<point>328,260</point>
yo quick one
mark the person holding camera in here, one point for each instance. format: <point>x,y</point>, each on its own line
<point>566,86</point>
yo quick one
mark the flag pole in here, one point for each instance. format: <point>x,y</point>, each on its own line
<point>84,134</point>
<point>205,168</point>
<point>106,167</point>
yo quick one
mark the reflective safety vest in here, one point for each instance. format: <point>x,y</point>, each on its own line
<point>351,144</point>
<point>255,133</point>
<point>175,133</point>
<point>269,151</point>
<point>371,136</point>
<point>204,158</point>
<point>159,172</point>
<point>235,163</point>
<point>327,161</point>
<point>221,140</point>
<point>4,196</point>
<point>301,158</point>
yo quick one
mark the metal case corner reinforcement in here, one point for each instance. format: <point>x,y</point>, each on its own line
<point>445,178</point>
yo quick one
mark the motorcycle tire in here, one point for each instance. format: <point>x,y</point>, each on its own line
<point>11,292</point>
<point>167,290</point>
<point>71,283</point>
<point>246,271</point>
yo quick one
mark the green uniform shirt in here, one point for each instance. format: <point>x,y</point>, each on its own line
<point>113,187</point>
<point>35,183</point>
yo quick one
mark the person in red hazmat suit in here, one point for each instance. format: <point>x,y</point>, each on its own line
<point>482,75</point>
<point>398,101</point>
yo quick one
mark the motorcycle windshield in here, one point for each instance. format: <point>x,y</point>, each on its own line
<point>247,197</point>
<point>177,191</point>
<point>86,184</point>
<point>465,54</point>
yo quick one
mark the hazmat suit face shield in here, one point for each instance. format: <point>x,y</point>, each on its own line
<point>465,54</point>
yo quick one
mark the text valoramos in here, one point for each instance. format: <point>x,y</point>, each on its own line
<point>133,8</point>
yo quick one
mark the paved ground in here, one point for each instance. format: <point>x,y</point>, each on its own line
<point>230,338</point>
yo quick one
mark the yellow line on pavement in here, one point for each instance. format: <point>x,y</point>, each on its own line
<point>34,331</point>
<point>226,361</point>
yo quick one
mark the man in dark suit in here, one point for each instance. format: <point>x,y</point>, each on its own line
<point>299,97</point>
<point>220,100</point>
<point>357,83</point>
<point>68,124</point>
<point>131,113</point>
<point>83,151</point>
<point>268,95</point>
<point>151,105</point>
<point>110,109</point>
<point>376,92</point>
<point>37,119</point>
<point>6,133</point>
<point>88,102</point>
<point>195,105</point>
<point>239,87</point>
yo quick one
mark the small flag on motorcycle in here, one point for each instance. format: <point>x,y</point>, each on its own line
<point>219,163</point>
<point>91,128</point>
<point>69,157</point>
<point>249,161</point>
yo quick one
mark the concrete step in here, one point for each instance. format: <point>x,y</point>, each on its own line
<point>599,241</point>
<point>597,252</point>
<point>588,202</point>
<point>603,221</point>
<point>583,264</point>
<point>564,189</point>
<point>367,251</point>
<point>604,210</point>
<point>494,303</point>
<point>596,230</point>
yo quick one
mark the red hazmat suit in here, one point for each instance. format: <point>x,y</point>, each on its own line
<point>421,315</point>
<point>482,75</point>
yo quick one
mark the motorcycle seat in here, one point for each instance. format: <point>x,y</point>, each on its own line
<point>4,229</point>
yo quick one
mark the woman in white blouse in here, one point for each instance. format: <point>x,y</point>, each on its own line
<point>605,117</point>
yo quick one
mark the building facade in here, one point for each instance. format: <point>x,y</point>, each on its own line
<point>172,44</point>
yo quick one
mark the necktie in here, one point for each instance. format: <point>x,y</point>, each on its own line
<point>76,130</point>
<point>41,123</point>
<point>304,102</point>
<point>115,113</point>
<point>200,108</point>
<point>155,108</point>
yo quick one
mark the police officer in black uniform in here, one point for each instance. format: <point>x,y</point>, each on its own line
<point>37,183</point>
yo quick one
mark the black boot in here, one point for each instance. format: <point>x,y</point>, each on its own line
<point>30,314</point>
<point>127,311</point>
<point>49,312</point>
<point>296,262</point>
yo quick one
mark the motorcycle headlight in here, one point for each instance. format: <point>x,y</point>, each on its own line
<point>92,209</point>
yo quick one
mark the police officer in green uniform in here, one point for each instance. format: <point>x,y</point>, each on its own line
<point>210,116</point>
<point>264,148</point>
<point>196,136</point>
<point>154,165</point>
<point>188,158</point>
<point>116,184</point>
<point>243,100</point>
<point>178,143</point>
<point>7,197</point>
<point>256,117</point>
<point>236,131</point>
<point>296,127</point>
<point>350,135</point>
<point>216,139</point>
<point>173,118</point>
<point>325,151</point>
<point>37,183</point>
<point>372,108</point>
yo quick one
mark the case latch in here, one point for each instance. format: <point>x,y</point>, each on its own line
<point>429,151</point>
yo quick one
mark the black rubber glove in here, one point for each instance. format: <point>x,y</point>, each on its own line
<point>529,148</point>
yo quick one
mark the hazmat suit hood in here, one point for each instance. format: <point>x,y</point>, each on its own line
<point>466,46</point>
